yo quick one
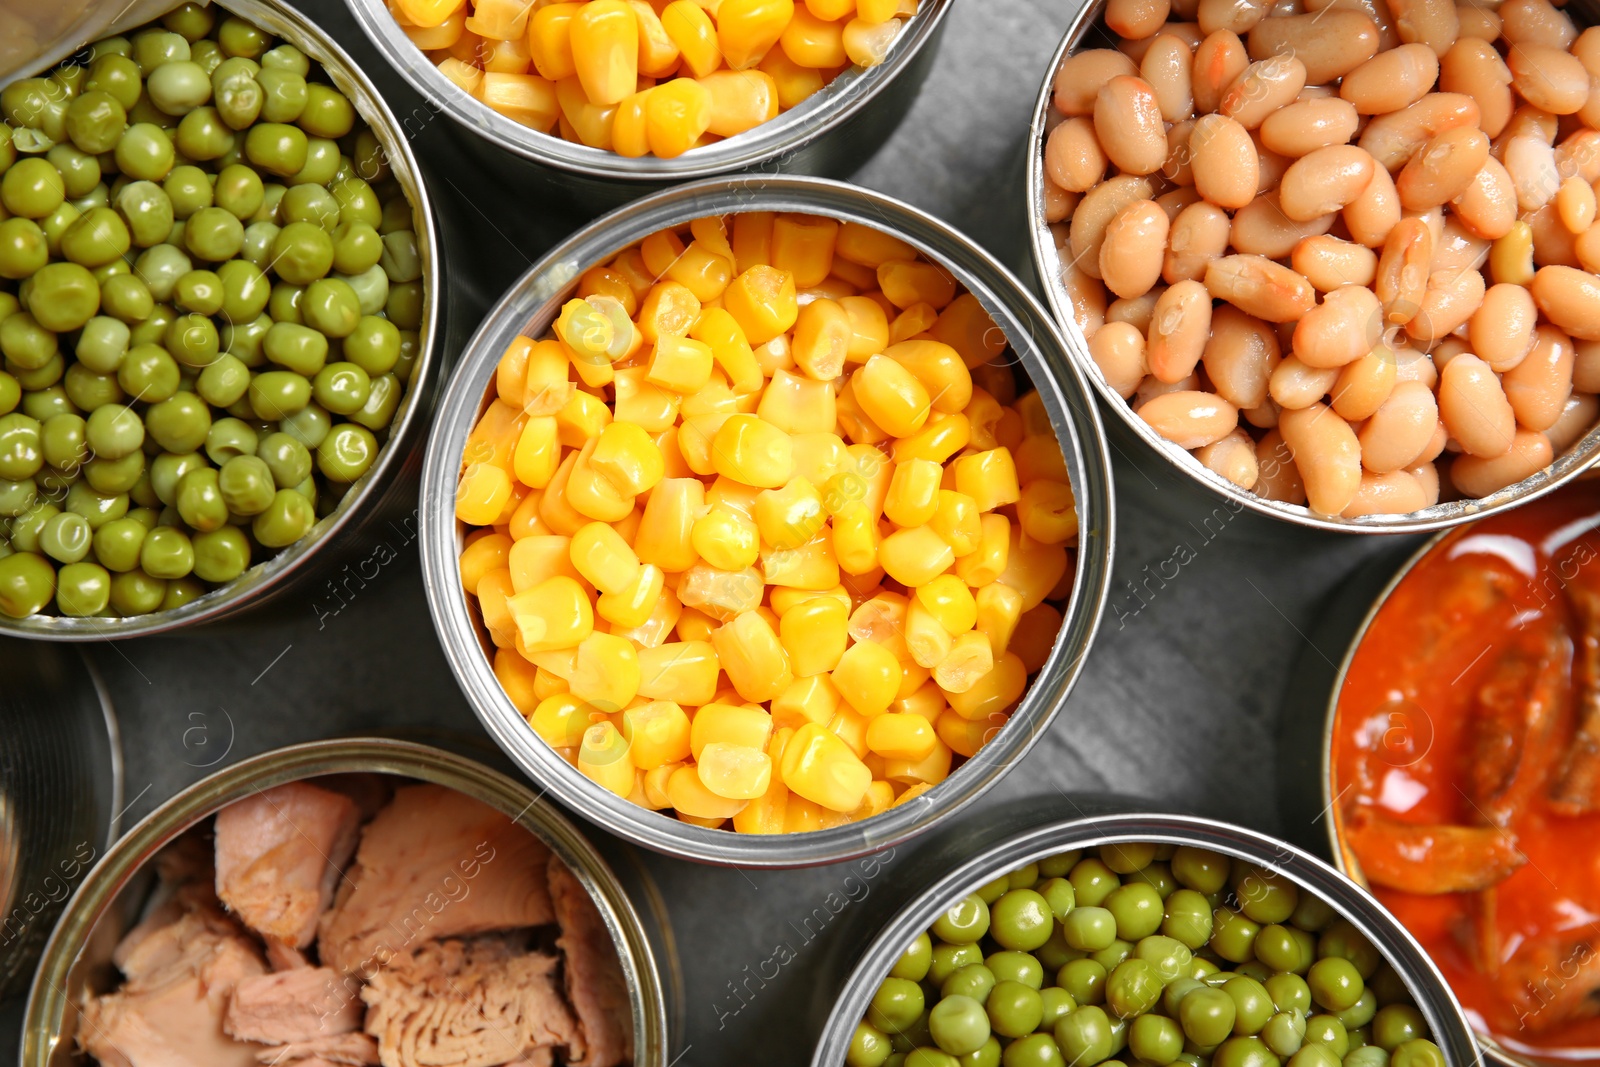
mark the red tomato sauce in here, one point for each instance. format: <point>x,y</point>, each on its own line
<point>1524,955</point>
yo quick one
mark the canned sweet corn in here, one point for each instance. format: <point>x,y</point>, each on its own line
<point>744,554</point>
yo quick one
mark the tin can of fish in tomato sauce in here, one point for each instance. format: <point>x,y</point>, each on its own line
<point>77,959</point>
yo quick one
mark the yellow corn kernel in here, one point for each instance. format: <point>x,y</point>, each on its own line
<point>795,84</point>
<point>1039,457</point>
<point>910,322</point>
<point>856,540</point>
<point>692,30</point>
<point>926,700</point>
<point>1008,431</point>
<point>729,348</point>
<point>731,724</point>
<point>812,699</point>
<point>525,98</point>
<point>753,657</point>
<point>983,416</point>
<point>822,337</point>
<point>950,601</point>
<point>433,38</point>
<point>734,496</point>
<point>726,540</point>
<point>926,640</point>
<point>670,308</point>
<point>629,131</point>
<point>633,606</point>
<point>817,456</point>
<point>660,251</point>
<point>581,418</point>
<point>511,373</point>
<point>604,38</point>
<point>494,437</point>
<point>929,770</point>
<point>684,672</point>
<point>482,556</point>
<point>493,590</point>
<point>901,737</point>
<point>670,442</point>
<point>1035,416</point>
<point>695,625</point>
<point>679,364</point>
<point>676,114</point>
<point>814,42</point>
<point>661,621</point>
<point>940,370</point>
<point>1046,511</point>
<point>427,13</point>
<point>966,736</point>
<point>604,558</point>
<point>545,389</point>
<point>555,512</point>
<point>910,793</point>
<point>867,677</point>
<point>994,692</point>
<point>539,558</point>
<point>747,28</point>
<point>482,494</point>
<point>915,556</point>
<point>913,496</point>
<point>554,614</point>
<point>466,76</point>
<point>559,663</point>
<point>1032,567</point>
<point>810,566</point>
<point>626,456</point>
<point>891,396</point>
<point>589,122</point>
<point>751,450</point>
<point>819,767</point>
<point>657,733</point>
<point>871,247</point>
<point>999,609</point>
<point>664,531</point>
<point>854,421</point>
<point>591,493</point>
<point>525,521</point>
<point>720,594</point>
<point>658,52</point>
<point>538,452</point>
<point>970,658</point>
<point>703,272</point>
<point>606,281</point>
<point>518,678</point>
<point>752,239</point>
<point>691,798</point>
<point>940,438</point>
<point>790,516</point>
<point>799,405</point>
<point>737,772</point>
<point>561,720</point>
<point>906,282</point>
<point>989,478</point>
<point>498,20</point>
<point>880,619</point>
<point>815,635</point>
<point>803,245</point>
<point>762,301</point>
<point>654,785</point>
<point>550,40</point>
<point>767,813</point>
<point>859,279</point>
<point>831,10</point>
<point>801,815</point>
<point>850,726</point>
<point>868,43</point>
<point>784,600</point>
<point>607,672</point>
<point>740,100</point>
<point>967,328</point>
<point>989,559</point>
<point>777,354</point>
<point>648,406</point>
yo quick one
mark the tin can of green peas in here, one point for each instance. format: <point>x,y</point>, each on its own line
<point>352,523</point>
<point>114,894</point>
<point>964,861</point>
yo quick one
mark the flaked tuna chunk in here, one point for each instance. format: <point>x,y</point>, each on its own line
<point>476,1003</point>
<point>279,855</point>
<point>433,864</point>
<point>595,986</point>
<point>296,1005</point>
<point>172,935</point>
<point>281,957</point>
<point>169,1011</point>
<point>357,1050</point>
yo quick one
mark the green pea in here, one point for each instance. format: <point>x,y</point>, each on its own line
<point>115,430</point>
<point>192,340</point>
<point>869,1047</point>
<point>1014,1009</point>
<point>1084,1037</point>
<point>1252,1003</point>
<point>95,119</point>
<point>99,196</point>
<point>959,1025</point>
<point>402,262</point>
<point>1360,1013</point>
<point>1084,979</point>
<point>1132,988</point>
<point>167,553</point>
<point>224,382</point>
<point>298,348</point>
<point>1092,881</point>
<point>975,980</point>
<point>1019,920</point>
<point>214,234</point>
<point>118,77</point>
<point>1339,938</point>
<point>65,538</point>
<point>1266,896</point>
<point>283,94</point>
<point>1169,957</point>
<point>1278,948</point>
<point>1396,1024</point>
<point>189,189</point>
<point>1289,992</point>
<point>311,426</point>
<point>23,248</point>
<point>330,307</point>
<point>1366,1056</point>
<point>17,496</point>
<point>99,508</point>
<point>144,152</point>
<point>256,249</point>
<point>1244,1052</point>
<point>327,112</point>
<point>1137,908</point>
<point>272,194</point>
<point>160,267</point>
<point>237,97</point>
<point>240,38</point>
<point>301,253</point>
<point>245,340</point>
<point>1284,1033</point>
<point>199,291</point>
<point>913,962</point>
<point>27,584</point>
<point>80,171</point>
<point>88,390</point>
<point>895,1006</point>
<point>1155,1040</point>
<point>1233,936</point>
<point>83,589</point>
<point>10,393</point>
<point>247,488</point>
<point>925,1056</point>
<point>1157,876</point>
<point>98,237</point>
<point>278,395</point>
<point>153,47</point>
<point>963,922</point>
<point>148,372</point>
<point>21,453</point>
<point>1335,983</point>
<point>290,464</point>
<point>238,191</point>
<point>404,309</point>
<point>1312,913</point>
<point>221,555</point>
<point>25,528</point>
<point>32,188</point>
<point>1188,914</point>
<point>148,211</point>
<point>202,134</point>
<point>41,404</point>
<point>1200,870</point>
<point>356,247</point>
<point>1090,929</point>
<point>127,298</point>
<point>118,542</point>
<point>1207,1016</point>
<point>993,890</point>
<point>178,88</point>
<point>136,593</point>
<point>190,21</point>
<point>168,470</point>
<point>1016,966</point>
<point>371,287</point>
<point>1328,1031</point>
<point>1122,858</point>
<point>179,423</point>
<point>276,148</point>
<point>310,203</point>
<point>947,958</point>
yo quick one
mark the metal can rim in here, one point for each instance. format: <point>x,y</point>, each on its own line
<point>1047,263</point>
<point>286,22</point>
<point>48,997</point>
<point>1040,349</point>
<point>1434,996</point>
<point>766,145</point>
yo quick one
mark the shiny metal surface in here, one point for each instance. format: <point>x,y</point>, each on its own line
<point>970,869</point>
<point>61,800</point>
<point>830,133</point>
<point>77,958</point>
<point>397,462</point>
<point>1048,265</point>
<point>533,302</point>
